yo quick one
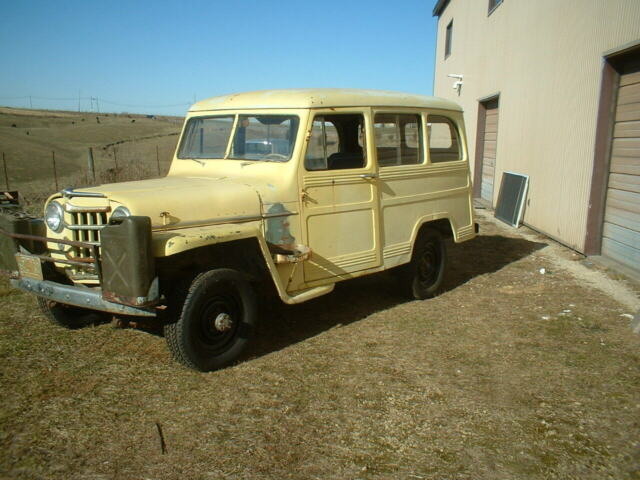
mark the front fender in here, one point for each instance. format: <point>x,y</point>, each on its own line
<point>167,243</point>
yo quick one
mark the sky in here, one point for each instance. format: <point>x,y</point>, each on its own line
<point>158,56</point>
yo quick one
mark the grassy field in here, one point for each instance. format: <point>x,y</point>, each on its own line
<point>509,374</point>
<point>124,147</point>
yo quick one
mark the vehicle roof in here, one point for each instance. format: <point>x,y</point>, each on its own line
<point>321,97</point>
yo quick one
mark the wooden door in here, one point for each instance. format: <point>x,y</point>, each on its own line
<point>621,227</point>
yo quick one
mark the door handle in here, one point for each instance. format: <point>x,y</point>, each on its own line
<point>368,176</point>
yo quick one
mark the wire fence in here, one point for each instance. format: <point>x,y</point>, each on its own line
<point>89,104</point>
<point>125,161</point>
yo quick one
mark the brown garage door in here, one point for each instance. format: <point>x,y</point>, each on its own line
<point>621,230</point>
<point>489,146</point>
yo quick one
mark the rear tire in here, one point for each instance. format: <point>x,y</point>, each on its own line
<point>216,321</point>
<point>423,276</point>
<point>69,316</point>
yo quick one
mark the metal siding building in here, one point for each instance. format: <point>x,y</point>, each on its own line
<point>543,66</point>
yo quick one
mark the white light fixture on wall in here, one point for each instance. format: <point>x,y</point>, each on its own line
<point>457,85</point>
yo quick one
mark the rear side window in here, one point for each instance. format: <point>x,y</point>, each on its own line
<point>398,139</point>
<point>444,139</point>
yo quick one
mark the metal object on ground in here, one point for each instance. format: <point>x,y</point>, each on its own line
<point>511,198</point>
<point>9,199</point>
<point>16,224</point>
<point>29,266</point>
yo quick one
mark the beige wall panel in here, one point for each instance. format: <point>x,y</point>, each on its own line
<point>544,57</point>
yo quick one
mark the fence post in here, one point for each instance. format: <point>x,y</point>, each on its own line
<point>91,169</point>
<point>158,160</point>
<point>115,158</point>
<point>55,173</point>
<point>6,177</point>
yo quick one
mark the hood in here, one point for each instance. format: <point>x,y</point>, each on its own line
<point>175,201</point>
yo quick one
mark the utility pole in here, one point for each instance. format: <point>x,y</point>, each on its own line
<point>30,103</point>
<point>79,96</point>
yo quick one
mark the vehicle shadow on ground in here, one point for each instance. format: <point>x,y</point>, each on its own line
<point>354,300</point>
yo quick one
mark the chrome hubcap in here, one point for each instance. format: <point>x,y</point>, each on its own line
<point>223,322</point>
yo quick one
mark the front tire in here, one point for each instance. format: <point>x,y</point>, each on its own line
<point>69,316</point>
<point>216,321</point>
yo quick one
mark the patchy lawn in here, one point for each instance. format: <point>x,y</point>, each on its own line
<point>509,374</point>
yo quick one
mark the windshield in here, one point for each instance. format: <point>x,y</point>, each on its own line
<point>255,137</point>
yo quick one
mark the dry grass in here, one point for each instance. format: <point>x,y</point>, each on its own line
<point>493,379</point>
<point>126,147</point>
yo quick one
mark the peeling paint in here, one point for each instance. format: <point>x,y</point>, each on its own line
<point>278,231</point>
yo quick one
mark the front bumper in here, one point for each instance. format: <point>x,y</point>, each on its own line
<point>122,288</point>
<point>90,298</point>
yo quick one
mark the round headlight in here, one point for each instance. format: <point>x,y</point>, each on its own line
<point>120,212</point>
<point>53,216</point>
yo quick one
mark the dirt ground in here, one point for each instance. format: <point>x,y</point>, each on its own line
<point>509,374</point>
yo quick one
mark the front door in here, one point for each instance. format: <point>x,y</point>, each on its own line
<point>340,196</point>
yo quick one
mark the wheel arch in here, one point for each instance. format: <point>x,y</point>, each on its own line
<point>442,222</point>
<point>186,253</point>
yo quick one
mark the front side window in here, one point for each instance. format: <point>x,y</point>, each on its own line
<point>337,142</point>
<point>398,139</point>
<point>444,140</point>
<point>255,137</point>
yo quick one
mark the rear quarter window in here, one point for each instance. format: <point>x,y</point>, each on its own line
<point>443,139</point>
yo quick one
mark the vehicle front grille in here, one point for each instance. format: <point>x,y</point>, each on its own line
<point>86,227</point>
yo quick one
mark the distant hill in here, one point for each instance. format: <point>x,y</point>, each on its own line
<point>27,138</point>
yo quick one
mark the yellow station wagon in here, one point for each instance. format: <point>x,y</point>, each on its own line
<point>281,191</point>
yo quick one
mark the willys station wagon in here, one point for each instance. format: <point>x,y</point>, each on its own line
<point>283,192</point>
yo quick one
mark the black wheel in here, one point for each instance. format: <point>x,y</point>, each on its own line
<point>424,274</point>
<point>71,317</point>
<point>216,321</point>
